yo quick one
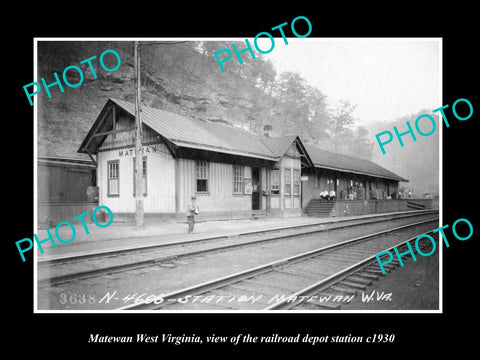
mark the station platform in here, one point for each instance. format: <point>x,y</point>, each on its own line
<point>125,236</point>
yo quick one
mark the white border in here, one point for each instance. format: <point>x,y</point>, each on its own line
<point>35,129</point>
<point>35,185</point>
<point>440,174</point>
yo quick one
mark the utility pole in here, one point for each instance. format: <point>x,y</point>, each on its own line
<point>139,215</point>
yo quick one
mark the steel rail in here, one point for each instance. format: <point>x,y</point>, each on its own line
<point>56,280</point>
<point>292,300</point>
<point>109,253</point>
<point>172,297</point>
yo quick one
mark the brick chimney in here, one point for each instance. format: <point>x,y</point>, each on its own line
<point>267,130</point>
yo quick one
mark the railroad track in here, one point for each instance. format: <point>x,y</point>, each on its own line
<point>340,288</point>
<point>344,267</point>
<point>86,266</point>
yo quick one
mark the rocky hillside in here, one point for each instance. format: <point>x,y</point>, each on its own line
<point>176,78</point>
<point>183,78</point>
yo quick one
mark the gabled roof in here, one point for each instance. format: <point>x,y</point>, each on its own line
<point>190,132</point>
<point>183,131</point>
<point>330,160</point>
<point>279,145</point>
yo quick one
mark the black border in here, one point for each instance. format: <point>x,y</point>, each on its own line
<point>414,332</point>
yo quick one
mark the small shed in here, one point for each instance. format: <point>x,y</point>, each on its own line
<point>63,185</point>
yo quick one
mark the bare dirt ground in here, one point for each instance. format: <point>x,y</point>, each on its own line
<point>412,287</point>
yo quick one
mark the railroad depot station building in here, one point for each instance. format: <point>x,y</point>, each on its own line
<point>232,172</point>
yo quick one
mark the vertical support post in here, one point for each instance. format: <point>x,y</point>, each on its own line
<point>114,122</point>
<point>268,188</point>
<point>177,185</point>
<point>139,215</point>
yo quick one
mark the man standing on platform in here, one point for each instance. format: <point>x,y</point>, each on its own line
<point>191,212</point>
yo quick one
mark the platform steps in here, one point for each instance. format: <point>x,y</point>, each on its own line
<point>415,206</point>
<point>319,208</point>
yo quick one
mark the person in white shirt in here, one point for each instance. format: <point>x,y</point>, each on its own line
<point>191,212</point>
<point>324,195</point>
<point>331,196</point>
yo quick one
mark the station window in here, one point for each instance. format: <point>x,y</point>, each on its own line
<point>296,182</point>
<point>113,183</point>
<point>237,179</point>
<point>331,183</point>
<point>275,182</point>
<point>144,175</point>
<point>288,182</point>
<point>201,172</point>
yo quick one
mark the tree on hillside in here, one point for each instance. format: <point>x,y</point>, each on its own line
<point>342,119</point>
<point>291,91</point>
<point>360,146</point>
<point>267,74</point>
<point>318,123</point>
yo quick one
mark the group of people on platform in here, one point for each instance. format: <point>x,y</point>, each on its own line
<point>328,196</point>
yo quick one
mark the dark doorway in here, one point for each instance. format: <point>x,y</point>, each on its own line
<point>256,188</point>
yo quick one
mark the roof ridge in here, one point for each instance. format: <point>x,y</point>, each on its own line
<point>340,154</point>
<point>375,169</point>
<point>213,130</point>
<point>186,131</point>
<point>270,141</point>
